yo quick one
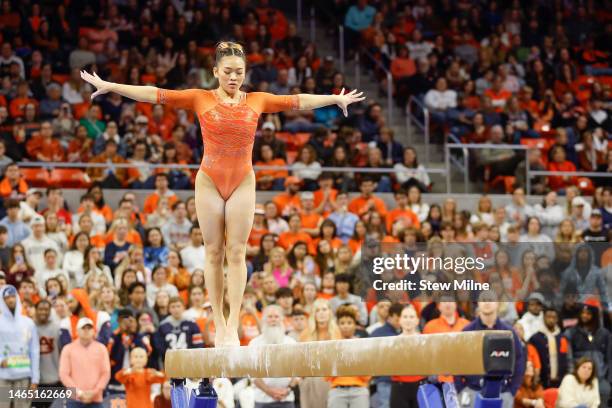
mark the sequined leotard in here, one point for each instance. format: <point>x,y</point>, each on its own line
<point>228,130</point>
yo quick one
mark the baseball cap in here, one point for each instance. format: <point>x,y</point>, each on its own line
<point>142,119</point>
<point>537,297</point>
<point>576,201</point>
<point>292,180</point>
<point>268,126</point>
<point>37,219</point>
<point>84,321</point>
<point>33,191</point>
<point>9,290</point>
<point>596,212</point>
<point>259,209</point>
<point>268,51</point>
<point>329,58</point>
<point>306,195</point>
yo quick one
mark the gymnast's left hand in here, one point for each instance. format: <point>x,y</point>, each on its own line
<point>344,100</point>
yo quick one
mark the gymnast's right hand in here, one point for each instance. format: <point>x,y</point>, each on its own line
<point>101,85</point>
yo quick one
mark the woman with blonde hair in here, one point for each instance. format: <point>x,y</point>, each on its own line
<point>279,267</point>
<point>108,301</point>
<point>321,326</point>
<point>580,388</point>
<point>225,182</point>
<point>134,260</point>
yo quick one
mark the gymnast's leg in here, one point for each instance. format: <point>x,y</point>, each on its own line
<point>239,213</point>
<point>210,208</point>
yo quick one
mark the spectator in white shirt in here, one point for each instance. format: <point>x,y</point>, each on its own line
<point>194,255</point>
<point>273,391</point>
<point>307,168</point>
<point>27,208</point>
<point>37,243</point>
<point>177,230</point>
<point>88,205</point>
<point>440,100</point>
<point>49,269</point>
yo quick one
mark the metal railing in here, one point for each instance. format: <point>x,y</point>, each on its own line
<point>85,165</point>
<point>424,126</point>
<point>466,152</point>
<point>378,64</point>
<point>533,173</point>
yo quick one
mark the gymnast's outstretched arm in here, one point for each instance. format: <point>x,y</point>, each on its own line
<point>143,93</point>
<point>308,101</point>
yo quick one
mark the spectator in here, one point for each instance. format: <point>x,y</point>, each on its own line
<point>410,173</point>
<point>161,190</point>
<point>13,185</point>
<point>344,220</point>
<point>122,343</point>
<point>348,391</point>
<point>48,330</point>
<point>392,327</point>
<point>367,200</point>
<point>37,243</point>
<point>589,340</point>
<point>268,136</point>
<point>159,283</point>
<point>307,168</point>
<point>371,122</point>
<point>84,365</point>
<point>138,379</point>
<point>404,388</point>
<point>137,300</point>
<point>552,348</point>
<point>111,176</point>
<point>488,320</point>
<point>273,392</point>
<point>358,18</point>
<point>271,179</point>
<point>531,393</point>
<point>155,250</point>
<point>518,210</point>
<point>559,163</point>
<point>177,231</point>
<point>580,388</point>
<point>533,320</point>
<point>20,363</point>
<point>17,229</point>
<point>344,296</point>
<point>193,254</point>
<point>175,332</point>
<point>440,101</point>
<point>584,274</point>
<point>80,306</point>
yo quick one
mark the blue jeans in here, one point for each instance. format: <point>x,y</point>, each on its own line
<point>384,185</point>
<point>382,396</point>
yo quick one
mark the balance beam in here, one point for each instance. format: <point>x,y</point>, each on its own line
<point>464,353</point>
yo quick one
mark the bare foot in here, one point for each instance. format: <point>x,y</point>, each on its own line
<point>231,337</point>
<point>220,337</point>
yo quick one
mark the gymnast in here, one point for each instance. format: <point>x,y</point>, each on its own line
<point>225,182</point>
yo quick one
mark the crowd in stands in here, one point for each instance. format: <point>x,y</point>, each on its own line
<point>496,72</point>
<point>98,294</point>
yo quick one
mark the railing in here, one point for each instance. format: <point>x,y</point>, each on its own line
<point>466,152</point>
<point>410,118</point>
<point>533,173</point>
<point>84,165</point>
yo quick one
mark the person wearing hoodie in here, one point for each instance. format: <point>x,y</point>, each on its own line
<point>19,361</point>
<point>589,339</point>
<point>533,320</point>
<point>552,348</point>
<point>48,334</point>
<point>585,275</point>
<point>78,302</point>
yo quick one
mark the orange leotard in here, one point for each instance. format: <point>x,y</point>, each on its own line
<point>228,129</point>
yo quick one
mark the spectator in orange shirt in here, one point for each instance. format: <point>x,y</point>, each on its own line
<point>295,233</point>
<point>311,221</point>
<point>161,190</point>
<point>559,163</point>
<point>21,99</point>
<point>367,201</point>
<point>327,232</point>
<point>43,147</point>
<point>161,123</point>
<point>138,379</point>
<point>270,179</point>
<point>108,177</point>
<point>499,96</point>
<point>348,391</point>
<point>402,66</point>
<point>449,320</point>
<point>289,201</point>
<point>13,184</point>
<point>258,230</point>
<point>402,211</point>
